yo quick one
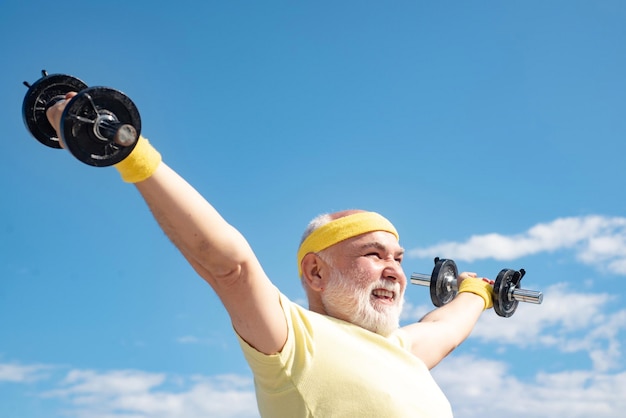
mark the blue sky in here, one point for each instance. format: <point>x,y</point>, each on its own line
<point>489,132</point>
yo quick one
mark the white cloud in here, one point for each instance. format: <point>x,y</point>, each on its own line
<point>597,240</point>
<point>206,341</point>
<point>568,321</point>
<point>480,388</point>
<point>17,373</point>
<point>476,387</point>
<point>134,394</point>
<point>413,313</point>
<point>126,381</point>
<point>188,339</point>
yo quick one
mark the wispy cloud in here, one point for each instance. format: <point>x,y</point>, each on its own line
<point>479,387</point>
<point>206,341</point>
<point>19,373</point>
<point>413,313</point>
<point>568,321</point>
<point>133,393</point>
<point>188,339</point>
<point>596,240</point>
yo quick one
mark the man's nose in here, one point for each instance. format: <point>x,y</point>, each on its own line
<point>393,271</point>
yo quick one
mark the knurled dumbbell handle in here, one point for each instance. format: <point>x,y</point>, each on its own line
<point>521,295</point>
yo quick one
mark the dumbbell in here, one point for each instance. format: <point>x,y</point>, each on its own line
<point>99,126</point>
<point>506,291</point>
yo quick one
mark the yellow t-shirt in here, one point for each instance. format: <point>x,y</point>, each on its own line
<point>331,368</point>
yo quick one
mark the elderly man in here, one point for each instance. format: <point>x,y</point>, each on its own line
<point>344,356</point>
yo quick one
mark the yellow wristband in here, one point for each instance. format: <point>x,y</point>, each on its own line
<point>478,287</point>
<point>140,164</point>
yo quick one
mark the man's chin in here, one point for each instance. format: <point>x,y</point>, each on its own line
<point>385,324</point>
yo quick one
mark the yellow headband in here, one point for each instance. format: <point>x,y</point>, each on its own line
<point>341,229</point>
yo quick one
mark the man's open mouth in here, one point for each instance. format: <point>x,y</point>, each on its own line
<point>384,294</point>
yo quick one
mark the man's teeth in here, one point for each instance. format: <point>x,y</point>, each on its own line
<point>382,293</point>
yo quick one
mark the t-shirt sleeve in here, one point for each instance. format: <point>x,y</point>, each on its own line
<point>271,371</point>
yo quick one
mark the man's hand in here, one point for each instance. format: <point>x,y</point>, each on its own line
<point>465,275</point>
<point>55,112</point>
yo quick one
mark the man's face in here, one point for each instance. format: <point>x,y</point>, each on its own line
<point>366,282</point>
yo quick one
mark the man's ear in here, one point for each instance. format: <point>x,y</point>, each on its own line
<point>313,268</point>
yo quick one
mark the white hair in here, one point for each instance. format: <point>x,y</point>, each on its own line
<point>317,222</point>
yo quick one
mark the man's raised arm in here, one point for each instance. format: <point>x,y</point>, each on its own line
<point>220,255</point>
<point>440,331</point>
<point>214,248</point>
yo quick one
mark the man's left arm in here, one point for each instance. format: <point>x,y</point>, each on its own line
<point>442,330</point>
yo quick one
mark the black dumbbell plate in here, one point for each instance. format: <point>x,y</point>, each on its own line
<point>40,93</point>
<point>79,119</point>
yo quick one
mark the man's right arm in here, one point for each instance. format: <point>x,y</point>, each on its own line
<point>214,248</point>
<point>220,255</point>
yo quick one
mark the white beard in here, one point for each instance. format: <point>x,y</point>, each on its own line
<point>344,299</point>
